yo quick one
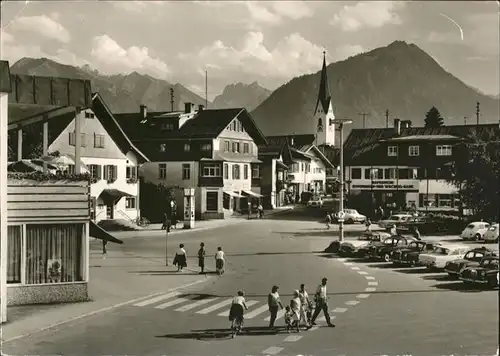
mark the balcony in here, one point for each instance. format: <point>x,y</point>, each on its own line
<point>211,182</point>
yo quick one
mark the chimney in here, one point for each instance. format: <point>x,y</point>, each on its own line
<point>144,111</point>
<point>397,127</point>
<point>188,108</point>
<point>201,107</point>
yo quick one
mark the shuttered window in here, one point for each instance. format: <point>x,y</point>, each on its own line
<point>110,173</point>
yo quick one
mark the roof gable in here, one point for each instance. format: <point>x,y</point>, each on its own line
<point>317,153</point>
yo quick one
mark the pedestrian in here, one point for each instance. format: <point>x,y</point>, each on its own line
<point>295,306</point>
<point>104,251</point>
<point>201,258</point>
<point>219,261</point>
<point>416,233</point>
<point>260,209</point>
<point>305,302</point>
<point>274,303</point>
<point>368,223</point>
<point>165,220</point>
<point>321,300</point>
<point>393,231</point>
<point>180,258</point>
<point>328,220</point>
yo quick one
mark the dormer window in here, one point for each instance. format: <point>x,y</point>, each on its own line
<point>392,151</point>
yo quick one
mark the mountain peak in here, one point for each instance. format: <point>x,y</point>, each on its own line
<point>240,94</point>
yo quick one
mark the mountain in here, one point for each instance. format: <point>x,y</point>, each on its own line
<point>400,77</point>
<point>241,95</point>
<point>122,93</point>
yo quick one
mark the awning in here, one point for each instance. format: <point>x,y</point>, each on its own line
<point>281,165</point>
<point>101,234</point>
<point>111,196</point>
<point>233,194</point>
<point>252,194</point>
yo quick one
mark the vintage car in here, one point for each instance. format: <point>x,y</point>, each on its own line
<point>471,259</point>
<point>364,250</point>
<point>475,230</point>
<point>316,202</point>
<point>352,216</point>
<point>437,259</point>
<point>394,220</point>
<point>384,252</point>
<point>409,254</point>
<point>491,235</point>
<point>351,248</point>
<point>486,273</point>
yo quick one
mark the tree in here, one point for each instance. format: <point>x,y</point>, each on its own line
<point>433,118</point>
<point>476,173</point>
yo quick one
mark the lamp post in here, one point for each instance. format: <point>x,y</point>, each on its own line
<point>167,230</point>
<point>341,123</point>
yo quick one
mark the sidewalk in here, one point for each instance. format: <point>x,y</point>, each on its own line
<point>118,280</point>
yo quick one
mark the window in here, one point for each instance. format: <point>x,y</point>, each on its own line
<point>14,248</point>
<point>227,146</point>
<point>294,168</point>
<point>374,173</point>
<point>368,173</point>
<point>233,125</point>
<point>95,171</point>
<point>443,150</point>
<point>414,151</point>
<point>226,171</point>
<point>302,168</point>
<point>240,126</point>
<point>186,171</point>
<point>445,200</point>
<point>54,253</point>
<point>89,115</point>
<point>130,202</point>
<point>212,201</point>
<point>163,147</point>
<point>236,147</point>
<point>355,173</point>
<point>98,141</point>
<point>308,167</point>
<point>245,171</point>
<point>390,173</point>
<point>187,147</point>
<point>427,201</point>
<point>206,147</point>
<point>413,173</point>
<point>72,139</point>
<point>392,151</point>
<point>211,170</point>
<point>255,171</point>
<point>236,171</point>
<point>110,173</point>
<point>162,171</point>
<point>404,173</point>
<point>246,148</point>
<point>131,172</point>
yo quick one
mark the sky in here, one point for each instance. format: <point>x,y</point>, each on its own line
<point>270,42</point>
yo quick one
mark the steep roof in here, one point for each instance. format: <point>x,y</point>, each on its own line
<point>324,96</point>
<point>298,140</point>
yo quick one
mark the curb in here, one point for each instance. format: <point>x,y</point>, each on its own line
<point>102,310</point>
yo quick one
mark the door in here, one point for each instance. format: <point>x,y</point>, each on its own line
<point>110,212</point>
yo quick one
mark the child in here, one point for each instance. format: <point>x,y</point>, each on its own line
<point>289,318</point>
<point>328,220</point>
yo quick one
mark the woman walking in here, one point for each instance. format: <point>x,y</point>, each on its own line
<point>306,305</point>
<point>201,258</point>
<point>274,303</point>
<point>219,261</point>
<point>296,307</point>
<point>180,258</point>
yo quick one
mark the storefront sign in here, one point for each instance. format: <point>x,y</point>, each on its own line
<point>405,184</point>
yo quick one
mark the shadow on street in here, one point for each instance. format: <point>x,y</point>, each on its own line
<point>210,334</point>
<point>320,233</point>
<point>461,287</point>
<point>437,277</point>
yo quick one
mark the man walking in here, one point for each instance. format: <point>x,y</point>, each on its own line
<point>274,303</point>
<point>321,303</point>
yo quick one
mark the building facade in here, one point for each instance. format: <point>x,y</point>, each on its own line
<point>405,167</point>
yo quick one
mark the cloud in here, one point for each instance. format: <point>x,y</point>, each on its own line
<point>367,15</point>
<point>6,37</point>
<point>135,6</point>
<point>274,12</point>
<point>261,14</point>
<point>112,58</point>
<point>294,10</point>
<point>43,25</point>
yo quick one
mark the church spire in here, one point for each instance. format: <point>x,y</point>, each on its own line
<point>324,96</point>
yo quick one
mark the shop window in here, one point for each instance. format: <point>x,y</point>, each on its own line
<point>54,253</point>
<point>355,173</point>
<point>404,173</point>
<point>368,173</point>
<point>390,173</point>
<point>427,200</point>
<point>212,201</point>
<point>130,202</point>
<point>445,200</point>
<point>14,248</point>
<point>392,151</point>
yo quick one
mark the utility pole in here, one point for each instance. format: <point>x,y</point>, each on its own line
<point>171,99</point>
<point>387,118</point>
<point>478,112</point>
<point>364,114</point>
<point>206,89</point>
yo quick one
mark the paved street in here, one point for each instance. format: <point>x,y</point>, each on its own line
<point>377,310</point>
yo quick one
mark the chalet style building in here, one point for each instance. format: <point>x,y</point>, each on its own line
<point>213,151</point>
<point>405,166</point>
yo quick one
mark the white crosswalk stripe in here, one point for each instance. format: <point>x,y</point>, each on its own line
<point>171,303</point>
<point>215,306</point>
<point>257,311</point>
<point>281,312</point>
<point>196,304</point>
<point>249,304</point>
<point>157,299</point>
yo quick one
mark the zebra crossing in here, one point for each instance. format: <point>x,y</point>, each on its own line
<point>205,304</point>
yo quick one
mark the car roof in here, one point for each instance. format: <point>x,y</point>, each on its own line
<point>478,222</point>
<point>454,246</point>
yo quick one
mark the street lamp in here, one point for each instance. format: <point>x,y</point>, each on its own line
<point>168,230</point>
<point>341,123</point>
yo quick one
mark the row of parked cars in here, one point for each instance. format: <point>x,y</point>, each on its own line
<point>472,265</point>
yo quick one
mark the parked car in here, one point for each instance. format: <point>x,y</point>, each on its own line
<point>371,250</point>
<point>394,220</point>
<point>492,233</point>
<point>471,259</point>
<point>384,252</point>
<point>315,203</point>
<point>351,248</point>
<point>352,216</point>
<point>437,259</point>
<point>485,274</point>
<point>475,230</point>
<point>409,254</point>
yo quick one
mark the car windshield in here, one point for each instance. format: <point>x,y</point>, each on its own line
<point>470,226</point>
<point>442,251</point>
<point>394,217</point>
<point>490,263</point>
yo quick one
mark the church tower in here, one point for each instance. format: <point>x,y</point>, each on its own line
<point>324,118</point>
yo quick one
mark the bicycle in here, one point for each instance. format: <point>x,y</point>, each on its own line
<point>142,222</point>
<point>236,326</point>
